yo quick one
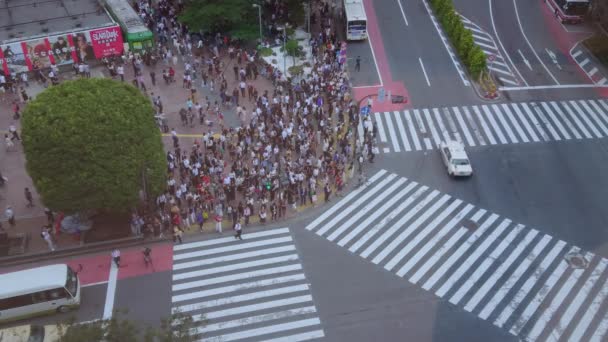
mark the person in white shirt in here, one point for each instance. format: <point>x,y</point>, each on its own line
<point>238,229</point>
<point>116,257</point>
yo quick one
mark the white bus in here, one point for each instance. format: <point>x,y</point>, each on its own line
<point>38,291</point>
<point>356,21</point>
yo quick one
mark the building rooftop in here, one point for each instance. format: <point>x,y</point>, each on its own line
<point>24,19</point>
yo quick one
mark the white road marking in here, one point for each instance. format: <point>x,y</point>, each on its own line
<point>592,71</point>
<point>576,54</point>
<point>504,51</point>
<point>560,86</point>
<point>514,122</point>
<point>557,123</point>
<point>523,119</point>
<point>585,118</point>
<point>484,126</point>
<point>576,120</point>
<point>529,284</point>
<point>423,70</point>
<point>463,126</point>
<point>566,120</point>
<point>402,131</point>
<point>504,123</point>
<point>495,126</point>
<point>380,126</point>
<point>391,132</point>
<point>412,128</point>
<point>108,308</point>
<point>403,13</point>
<point>584,62</point>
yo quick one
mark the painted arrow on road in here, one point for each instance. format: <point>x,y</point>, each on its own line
<point>553,58</point>
<point>527,62</point>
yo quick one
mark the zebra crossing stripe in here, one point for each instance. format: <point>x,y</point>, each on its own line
<point>541,322</point>
<point>413,133</point>
<point>528,285</point>
<point>238,276</point>
<point>487,46</point>
<point>483,267</point>
<point>234,267</point>
<point>478,37</point>
<point>599,110</point>
<point>374,216</point>
<point>545,122</point>
<point>444,131</point>
<point>251,296</point>
<point>577,53</point>
<point>601,330</point>
<point>254,307</point>
<point>590,312</point>
<point>211,242</point>
<point>556,121</point>
<point>329,212</point>
<point>504,123</point>
<point>463,127</point>
<point>535,123</point>
<point>211,327</point>
<point>484,126</point>
<point>472,258</point>
<point>578,300</point>
<point>501,292</point>
<point>474,126</point>
<point>380,225</point>
<point>598,121</point>
<point>380,126</point>
<point>372,247</point>
<point>506,80</point>
<point>427,141</point>
<point>403,251</point>
<point>585,118</point>
<point>515,124</point>
<point>305,336</point>
<point>535,303</point>
<point>266,330</point>
<point>422,235</point>
<point>401,128</point>
<point>357,203</point>
<point>391,132</point>
<point>460,250</point>
<point>446,229</point>
<point>386,250</point>
<point>525,122</point>
<point>576,120</point>
<point>202,253</point>
<point>561,114</point>
<point>427,116</point>
<point>232,257</point>
<point>363,211</point>
<point>495,126</point>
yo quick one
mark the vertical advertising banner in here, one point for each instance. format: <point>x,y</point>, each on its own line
<point>107,41</point>
<point>63,49</point>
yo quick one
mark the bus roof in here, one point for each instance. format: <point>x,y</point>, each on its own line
<point>33,280</point>
<point>125,15</point>
<point>354,10</point>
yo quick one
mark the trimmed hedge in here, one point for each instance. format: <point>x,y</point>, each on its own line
<point>462,39</point>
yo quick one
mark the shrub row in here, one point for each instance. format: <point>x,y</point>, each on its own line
<point>462,39</point>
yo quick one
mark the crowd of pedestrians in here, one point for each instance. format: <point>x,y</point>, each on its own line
<point>295,143</point>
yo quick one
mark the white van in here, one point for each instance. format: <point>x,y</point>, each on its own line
<point>38,291</point>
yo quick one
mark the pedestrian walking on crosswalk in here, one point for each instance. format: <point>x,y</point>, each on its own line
<point>238,229</point>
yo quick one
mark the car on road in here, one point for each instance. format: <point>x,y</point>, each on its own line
<point>455,159</point>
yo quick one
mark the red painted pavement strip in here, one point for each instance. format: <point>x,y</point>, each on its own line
<point>566,40</point>
<point>377,45</point>
<point>96,268</point>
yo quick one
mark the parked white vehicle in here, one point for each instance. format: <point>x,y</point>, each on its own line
<point>455,159</point>
<point>36,291</point>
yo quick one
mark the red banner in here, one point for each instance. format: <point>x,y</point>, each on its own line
<point>106,41</point>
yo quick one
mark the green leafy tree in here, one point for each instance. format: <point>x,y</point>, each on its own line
<point>465,44</point>
<point>235,17</point>
<point>293,49</point>
<point>93,144</point>
<point>476,61</point>
<point>176,328</point>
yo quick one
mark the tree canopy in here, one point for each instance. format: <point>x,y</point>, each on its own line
<point>92,144</point>
<point>235,17</point>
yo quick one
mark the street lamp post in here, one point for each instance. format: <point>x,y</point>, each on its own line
<point>259,20</point>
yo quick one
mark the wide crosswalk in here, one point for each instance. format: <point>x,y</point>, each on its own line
<point>254,289</point>
<point>492,124</point>
<point>533,285</point>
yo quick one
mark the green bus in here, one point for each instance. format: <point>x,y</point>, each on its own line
<point>133,28</point>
